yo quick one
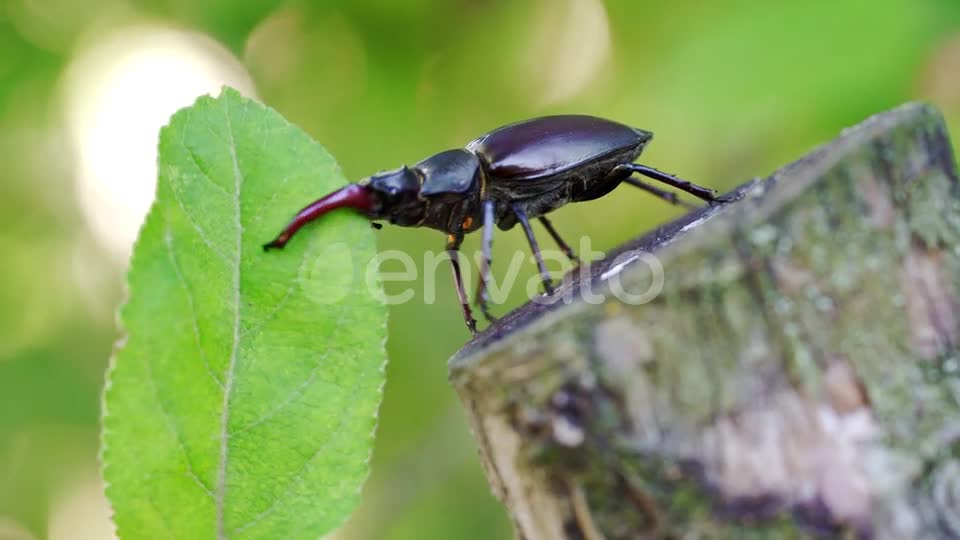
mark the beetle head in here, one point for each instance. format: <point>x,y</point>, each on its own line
<point>396,196</point>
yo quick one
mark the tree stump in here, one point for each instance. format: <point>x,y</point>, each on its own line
<point>797,374</point>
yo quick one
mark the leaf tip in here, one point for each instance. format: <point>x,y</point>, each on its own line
<point>229,92</point>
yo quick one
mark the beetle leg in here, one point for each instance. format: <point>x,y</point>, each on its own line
<point>525,223</point>
<point>564,247</point>
<point>698,191</point>
<point>453,250</point>
<point>482,299</point>
<point>668,196</point>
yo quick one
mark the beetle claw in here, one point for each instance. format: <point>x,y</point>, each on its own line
<point>725,198</point>
<point>471,325</point>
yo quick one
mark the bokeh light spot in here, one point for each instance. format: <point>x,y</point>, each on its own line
<point>119,91</point>
<point>11,530</point>
<point>940,78</point>
<point>291,51</point>
<point>80,511</point>
<point>570,48</point>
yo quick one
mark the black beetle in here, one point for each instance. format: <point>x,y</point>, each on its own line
<point>514,173</point>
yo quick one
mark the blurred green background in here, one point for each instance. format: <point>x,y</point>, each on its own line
<point>732,89</point>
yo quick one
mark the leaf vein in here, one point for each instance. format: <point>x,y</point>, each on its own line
<point>203,172</point>
<point>258,214</point>
<point>189,217</point>
<point>231,366</point>
<point>195,159</point>
<point>255,330</point>
<point>297,478</point>
<point>270,414</point>
<point>168,240</point>
<point>293,394</point>
<point>169,420</point>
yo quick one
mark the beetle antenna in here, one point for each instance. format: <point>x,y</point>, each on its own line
<point>352,196</point>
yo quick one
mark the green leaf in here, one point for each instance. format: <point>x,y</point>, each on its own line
<point>244,399</point>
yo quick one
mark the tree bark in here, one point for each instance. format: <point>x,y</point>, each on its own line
<point>797,374</point>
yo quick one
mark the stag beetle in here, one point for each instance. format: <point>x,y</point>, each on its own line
<point>508,176</point>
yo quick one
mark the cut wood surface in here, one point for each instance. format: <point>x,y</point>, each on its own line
<point>796,374</point>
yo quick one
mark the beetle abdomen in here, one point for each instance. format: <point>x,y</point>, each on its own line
<point>550,145</point>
